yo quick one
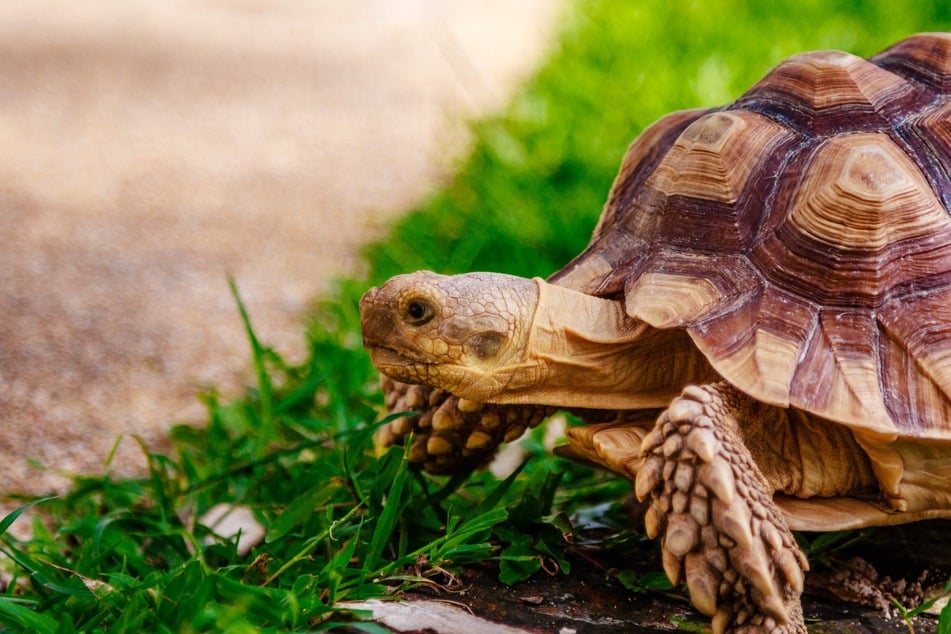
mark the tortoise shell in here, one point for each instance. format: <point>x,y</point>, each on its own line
<point>801,235</point>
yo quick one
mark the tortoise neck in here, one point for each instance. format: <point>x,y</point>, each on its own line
<point>587,352</point>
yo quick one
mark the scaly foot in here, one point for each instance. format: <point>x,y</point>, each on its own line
<point>713,509</point>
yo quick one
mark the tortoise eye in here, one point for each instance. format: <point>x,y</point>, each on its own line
<point>419,312</point>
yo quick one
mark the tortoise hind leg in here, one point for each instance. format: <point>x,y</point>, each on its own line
<point>713,509</point>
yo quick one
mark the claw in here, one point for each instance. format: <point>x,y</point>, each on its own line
<point>653,439</point>
<point>734,521</point>
<point>772,537</point>
<point>773,606</point>
<point>684,410</point>
<point>648,477</point>
<point>755,568</point>
<point>801,558</point>
<point>683,535</point>
<point>672,566</point>
<point>790,570</point>
<point>703,443</point>
<point>721,620</point>
<point>653,521</point>
<point>718,477</point>
<point>703,582</point>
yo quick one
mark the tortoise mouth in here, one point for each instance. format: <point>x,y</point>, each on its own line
<point>398,364</point>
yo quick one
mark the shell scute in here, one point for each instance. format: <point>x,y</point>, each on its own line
<point>838,373</point>
<point>860,226</point>
<point>638,163</point>
<point>924,58</point>
<point>929,136</point>
<point>714,157</point>
<point>757,344</point>
<point>702,175</point>
<point>801,236</point>
<point>680,288</point>
<point>707,175</point>
<point>915,360</point>
<point>615,249</point>
<point>829,92</point>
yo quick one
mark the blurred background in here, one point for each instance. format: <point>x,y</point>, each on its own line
<point>152,147</point>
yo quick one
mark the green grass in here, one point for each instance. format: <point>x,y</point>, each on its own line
<point>118,555</point>
<point>342,523</point>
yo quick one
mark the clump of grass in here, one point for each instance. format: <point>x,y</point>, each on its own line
<point>342,522</point>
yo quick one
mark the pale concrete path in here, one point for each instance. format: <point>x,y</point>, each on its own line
<point>151,146</point>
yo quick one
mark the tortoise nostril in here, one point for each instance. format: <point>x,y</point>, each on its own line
<point>376,325</point>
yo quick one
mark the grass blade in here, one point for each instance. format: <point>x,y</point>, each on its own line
<point>15,614</point>
<point>388,518</point>
<point>12,516</point>
<point>944,620</point>
<point>257,356</point>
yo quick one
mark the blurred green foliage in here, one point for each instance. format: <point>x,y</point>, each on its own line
<point>526,198</point>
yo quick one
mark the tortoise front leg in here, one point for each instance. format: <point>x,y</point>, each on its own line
<point>451,435</point>
<point>713,509</point>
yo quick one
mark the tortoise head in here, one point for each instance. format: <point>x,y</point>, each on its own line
<point>467,334</point>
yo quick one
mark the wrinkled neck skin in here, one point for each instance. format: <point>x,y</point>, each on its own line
<point>586,352</point>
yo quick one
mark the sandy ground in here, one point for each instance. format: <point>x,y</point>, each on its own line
<point>150,147</point>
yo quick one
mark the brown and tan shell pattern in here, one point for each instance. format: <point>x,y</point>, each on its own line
<point>802,237</point>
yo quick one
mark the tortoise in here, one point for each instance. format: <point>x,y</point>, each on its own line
<point>759,330</point>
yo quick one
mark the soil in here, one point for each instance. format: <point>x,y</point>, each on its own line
<point>592,601</point>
